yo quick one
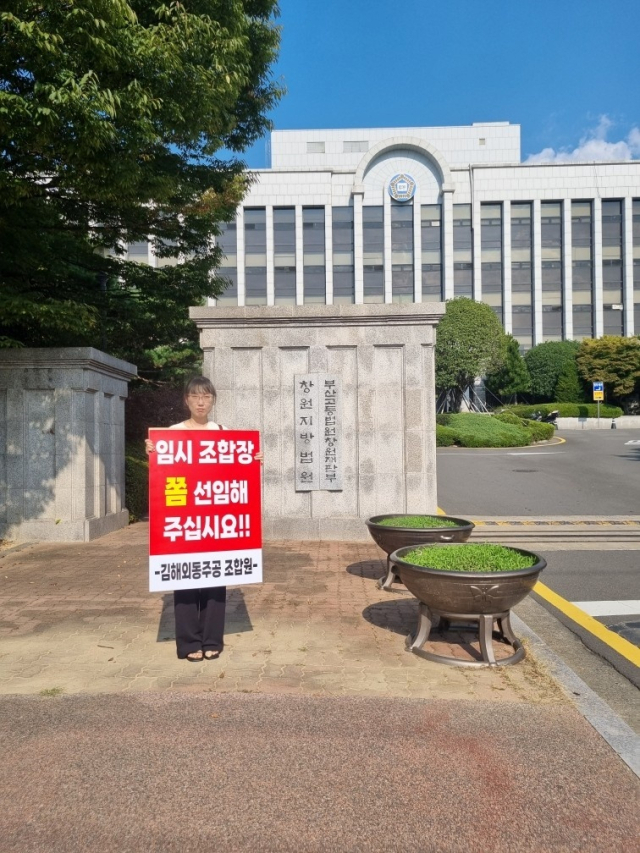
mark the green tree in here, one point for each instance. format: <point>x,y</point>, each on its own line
<point>569,388</point>
<point>513,377</point>
<point>123,121</point>
<point>613,360</point>
<point>470,342</point>
<point>546,362</point>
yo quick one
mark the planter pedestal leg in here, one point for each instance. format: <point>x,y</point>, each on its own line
<point>424,628</point>
<point>485,623</point>
<point>387,581</point>
<point>485,632</point>
<point>504,626</point>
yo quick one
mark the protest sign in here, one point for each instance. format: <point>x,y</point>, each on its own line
<point>205,515</point>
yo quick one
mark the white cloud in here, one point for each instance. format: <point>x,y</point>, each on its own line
<point>593,147</point>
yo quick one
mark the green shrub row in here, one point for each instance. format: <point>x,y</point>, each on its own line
<point>136,482</point>
<point>539,431</point>
<point>504,430</point>
<point>445,437</point>
<point>569,410</point>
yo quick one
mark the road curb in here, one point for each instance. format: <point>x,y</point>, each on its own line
<point>620,737</point>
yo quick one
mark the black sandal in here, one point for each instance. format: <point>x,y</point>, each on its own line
<point>195,660</point>
<point>211,654</point>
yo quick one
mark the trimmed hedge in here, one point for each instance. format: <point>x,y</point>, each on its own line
<point>569,410</point>
<point>472,430</point>
<point>504,430</point>
<point>136,482</point>
<point>445,437</point>
<point>540,431</point>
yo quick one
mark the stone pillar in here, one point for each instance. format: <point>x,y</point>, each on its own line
<point>62,443</point>
<point>384,355</point>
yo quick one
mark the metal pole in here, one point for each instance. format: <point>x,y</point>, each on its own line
<point>598,414</point>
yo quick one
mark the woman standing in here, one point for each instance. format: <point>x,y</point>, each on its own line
<point>199,613</point>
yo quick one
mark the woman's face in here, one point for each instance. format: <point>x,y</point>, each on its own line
<point>199,403</point>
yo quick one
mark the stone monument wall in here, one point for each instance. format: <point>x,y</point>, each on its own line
<point>384,358</point>
<point>62,443</point>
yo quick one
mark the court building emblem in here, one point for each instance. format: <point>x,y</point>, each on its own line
<point>402,187</point>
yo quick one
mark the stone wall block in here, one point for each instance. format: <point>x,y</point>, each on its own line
<point>367,452</point>
<point>419,495</point>
<point>383,355</point>
<point>320,360</point>
<point>15,470</point>
<point>414,408</point>
<point>270,369</point>
<point>342,504</point>
<point>247,369</point>
<point>390,494</point>
<point>39,504</point>
<point>389,452</point>
<point>413,367</point>
<point>248,410</point>
<point>414,452</point>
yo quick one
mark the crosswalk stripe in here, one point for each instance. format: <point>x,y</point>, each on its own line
<point>609,608</point>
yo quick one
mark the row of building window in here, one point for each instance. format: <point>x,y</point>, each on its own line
<point>402,259</point>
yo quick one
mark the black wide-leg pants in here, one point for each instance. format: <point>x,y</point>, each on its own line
<point>199,616</point>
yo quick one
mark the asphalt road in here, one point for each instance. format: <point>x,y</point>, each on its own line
<point>604,584</point>
<point>595,473</point>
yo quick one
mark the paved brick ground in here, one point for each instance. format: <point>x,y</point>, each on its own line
<point>168,772</point>
<point>77,618</point>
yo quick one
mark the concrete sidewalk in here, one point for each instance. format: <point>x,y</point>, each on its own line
<point>77,618</point>
<point>116,746</point>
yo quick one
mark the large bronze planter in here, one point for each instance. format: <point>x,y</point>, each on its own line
<point>483,597</point>
<point>392,538</point>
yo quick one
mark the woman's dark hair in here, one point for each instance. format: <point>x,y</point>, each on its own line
<point>199,385</point>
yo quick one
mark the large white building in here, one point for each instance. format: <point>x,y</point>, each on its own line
<point>420,214</point>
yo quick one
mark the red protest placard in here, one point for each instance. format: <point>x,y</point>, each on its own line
<point>205,513</point>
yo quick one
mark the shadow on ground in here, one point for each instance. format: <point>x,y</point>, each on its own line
<point>237,619</point>
<point>370,569</point>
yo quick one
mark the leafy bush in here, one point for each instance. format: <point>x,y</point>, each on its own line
<point>136,479</point>
<point>569,410</point>
<point>152,407</point>
<point>503,430</point>
<point>473,430</point>
<point>510,418</point>
<point>513,377</point>
<point>540,431</point>
<point>569,387</point>
<point>445,437</point>
<point>546,362</point>
<point>443,419</point>
<point>470,558</point>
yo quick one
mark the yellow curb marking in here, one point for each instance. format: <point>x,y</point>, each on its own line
<point>440,511</point>
<point>610,638</point>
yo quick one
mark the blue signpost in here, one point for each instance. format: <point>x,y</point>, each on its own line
<point>598,395</point>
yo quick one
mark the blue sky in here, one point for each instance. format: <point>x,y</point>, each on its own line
<point>568,71</point>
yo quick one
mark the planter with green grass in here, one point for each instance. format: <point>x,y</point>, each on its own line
<point>395,530</point>
<point>468,582</point>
